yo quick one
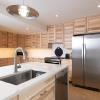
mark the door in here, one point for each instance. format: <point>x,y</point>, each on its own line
<point>92,60</point>
<point>77,60</point>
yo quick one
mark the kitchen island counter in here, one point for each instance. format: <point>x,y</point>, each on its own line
<point>7,90</point>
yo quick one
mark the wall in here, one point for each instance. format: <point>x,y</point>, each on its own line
<point>6,52</point>
<point>39,53</point>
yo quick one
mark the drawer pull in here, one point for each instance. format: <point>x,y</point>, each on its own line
<point>43,93</point>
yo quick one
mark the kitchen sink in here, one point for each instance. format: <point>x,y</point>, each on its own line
<point>21,77</point>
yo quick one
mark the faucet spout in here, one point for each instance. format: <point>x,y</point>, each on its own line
<point>19,49</point>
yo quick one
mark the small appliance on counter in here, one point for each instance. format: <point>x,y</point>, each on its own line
<point>59,53</point>
<point>52,60</point>
<point>57,59</point>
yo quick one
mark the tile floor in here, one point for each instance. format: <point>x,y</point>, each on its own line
<point>76,93</point>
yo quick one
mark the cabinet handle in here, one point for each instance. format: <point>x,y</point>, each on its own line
<point>43,93</point>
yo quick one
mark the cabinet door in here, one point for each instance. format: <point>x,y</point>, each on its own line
<point>44,40</point>
<point>69,62</point>
<point>80,26</point>
<point>50,95</point>
<point>12,40</point>
<point>21,40</point>
<point>46,94</point>
<point>59,33</point>
<point>37,40</point>
<point>10,61</point>
<point>93,24</point>
<point>68,33</point>
<point>3,62</point>
<point>3,39</point>
<point>15,98</point>
<point>51,34</point>
<point>28,41</point>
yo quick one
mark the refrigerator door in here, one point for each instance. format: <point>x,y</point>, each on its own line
<point>77,60</point>
<point>92,60</point>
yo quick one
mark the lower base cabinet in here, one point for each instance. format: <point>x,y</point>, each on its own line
<point>46,94</point>
<point>15,98</point>
<point>44,91</point>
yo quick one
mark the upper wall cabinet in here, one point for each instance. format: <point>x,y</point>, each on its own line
<point>12,40</point>
<point>44,40</point>
<point>93,24</point>
<point>68,33</point>
<point>33,41</point>
<point>59,30</point>
<point>28,41</point>
<point>3,62</point>
<point>37,40</point>
<point>51,35</point>
<point>80,26</point>
<point>3,39</point>
<point>21,40</point>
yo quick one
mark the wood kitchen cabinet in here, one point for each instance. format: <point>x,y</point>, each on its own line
<point>12,40</point>
<point>43,91</point>
<point>46,94</point>
<point>69,62</point>
<point>3,39</point>
<point>51,33</point>
<point>37,40</point>
<point>21,40</point>
<point>33,41</point>
<point>68,33</point>
<point>80,26</point>
<point>3,62</point>
<point>44,40</point>
<point>93,24</point>
<point>59,33</point>
<point>10,61</point>
<point>28,41</point>
<point>15,98</point>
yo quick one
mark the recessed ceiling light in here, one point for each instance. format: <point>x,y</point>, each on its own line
<point>98,6</point>
<point>57,15</point>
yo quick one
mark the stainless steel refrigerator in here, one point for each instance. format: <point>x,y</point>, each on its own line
<point>86,60</point>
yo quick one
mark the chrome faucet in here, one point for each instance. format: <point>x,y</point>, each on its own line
<point>19,49</point>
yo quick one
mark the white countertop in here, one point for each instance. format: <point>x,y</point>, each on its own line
<point>8,90</point>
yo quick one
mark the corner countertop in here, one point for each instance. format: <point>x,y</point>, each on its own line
<point>8,90</point>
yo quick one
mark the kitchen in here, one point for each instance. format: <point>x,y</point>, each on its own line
<point>56,23</point>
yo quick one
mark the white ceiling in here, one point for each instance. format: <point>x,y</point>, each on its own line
<point>66,9</point>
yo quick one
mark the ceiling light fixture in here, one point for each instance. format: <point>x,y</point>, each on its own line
<point>23,11</point>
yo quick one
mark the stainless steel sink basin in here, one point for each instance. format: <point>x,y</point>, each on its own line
<point>21,77</point>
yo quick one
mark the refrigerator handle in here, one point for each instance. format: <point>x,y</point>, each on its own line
<point>82,53</point>
<point>84,68</point>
